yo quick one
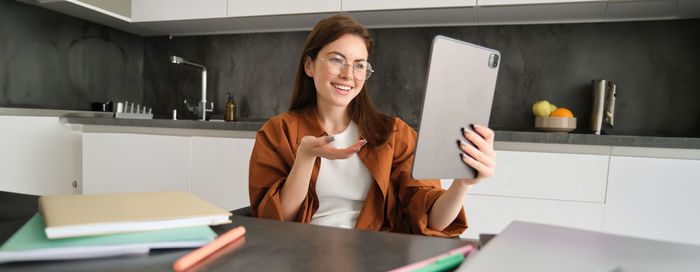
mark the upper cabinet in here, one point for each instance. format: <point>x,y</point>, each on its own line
<point>365,5</point>
<point>539,11</point>
<point>245,8</point>
<point>185,17</point>
<point>172,10</point>
<point>112,13</point>
<point>281,15</point>
<point>201,17</point>
<point>652,9</point>
<point>411,13</point>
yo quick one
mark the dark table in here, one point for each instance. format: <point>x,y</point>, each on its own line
<point>269,246</point>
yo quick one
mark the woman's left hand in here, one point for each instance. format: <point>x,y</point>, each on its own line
<point>481,155</point>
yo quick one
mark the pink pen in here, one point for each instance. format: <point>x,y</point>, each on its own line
<point>463,250</point>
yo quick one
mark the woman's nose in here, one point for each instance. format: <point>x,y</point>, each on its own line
<point>346,71</point>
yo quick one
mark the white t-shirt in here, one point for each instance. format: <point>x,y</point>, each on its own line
<point>342,185</point>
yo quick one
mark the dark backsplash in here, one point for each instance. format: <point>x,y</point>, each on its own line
<point>50,60</point>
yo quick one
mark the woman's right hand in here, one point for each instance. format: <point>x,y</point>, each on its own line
<point>313,147</point>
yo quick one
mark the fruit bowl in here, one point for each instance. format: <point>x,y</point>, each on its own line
<point>555,124</point>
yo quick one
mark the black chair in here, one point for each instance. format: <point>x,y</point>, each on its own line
<point>245,211</point>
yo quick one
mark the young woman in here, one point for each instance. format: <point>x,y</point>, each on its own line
<point>332,159</point>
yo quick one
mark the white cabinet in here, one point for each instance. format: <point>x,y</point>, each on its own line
<point>364,5</point>
<point>245,8</point>
<point>641,10</point>
<point>539,11</point>
<point>492,214</point>
<point>117,162</point>
<point>563,189</point>
<point>39,156</point>
<point>281,15</point>
<point>213,168</point>
<point>530,2</point>
<point>170,10</point>
<point>204,17</point>
<point>220,170</point>
<point>544,175</point>
<point>688,8</point>
<point>413,13</point>
<point>654,198</point>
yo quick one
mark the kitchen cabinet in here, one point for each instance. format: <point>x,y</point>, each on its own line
<point>415,17</point>
<point>643,192</point>
<point>212,168</point>
<point>641,10</point>
<point>364,5</point>
<point>281,15</point>
<point>492,214</point>
<point>39,155</point>
<point>193,17</point>
<point>566,189</point>
<point>654,198</point>
<point>413,13</point>
<point>220,170</point>
<point>120,162</point>
<point>112,13</point>
<point>244,8</point>
<point>539,11</point>
<point>171,10</point>
<point>531,2</point>
<point>688,8</point>
<point>547,175</point>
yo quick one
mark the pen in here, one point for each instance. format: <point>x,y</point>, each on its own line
<point>443,263</point>
<point>238,243</point>
<point>443,259</point>
<point>195,256</point>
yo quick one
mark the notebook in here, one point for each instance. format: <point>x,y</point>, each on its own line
<point>30,243</point>
<point>95,214</point>
<point>459,92</point>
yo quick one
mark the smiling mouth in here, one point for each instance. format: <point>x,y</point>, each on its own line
<point>342,87</point>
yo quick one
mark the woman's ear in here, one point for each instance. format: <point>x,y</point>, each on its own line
<point>308,66</point>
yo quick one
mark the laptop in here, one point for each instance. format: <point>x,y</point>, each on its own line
<point>459,92</point>
<point>526,246</point>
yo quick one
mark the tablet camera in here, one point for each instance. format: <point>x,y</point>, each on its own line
<point>493,60</point>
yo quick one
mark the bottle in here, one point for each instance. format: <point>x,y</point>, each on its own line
<point>230,109</point>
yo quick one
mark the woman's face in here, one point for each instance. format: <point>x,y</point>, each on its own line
<point>336,86</point>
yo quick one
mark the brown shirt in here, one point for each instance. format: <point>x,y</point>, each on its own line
<point>395,201</point>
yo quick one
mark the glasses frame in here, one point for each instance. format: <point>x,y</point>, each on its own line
<point>343,66</point>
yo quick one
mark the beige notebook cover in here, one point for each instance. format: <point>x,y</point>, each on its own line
<point>95,214</point>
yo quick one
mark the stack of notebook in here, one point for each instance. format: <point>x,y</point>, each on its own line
<point>100,225</point>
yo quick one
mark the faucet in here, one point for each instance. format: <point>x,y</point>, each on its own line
<point>201,108</point>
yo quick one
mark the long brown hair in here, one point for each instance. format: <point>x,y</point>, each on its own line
<point>374,126</point>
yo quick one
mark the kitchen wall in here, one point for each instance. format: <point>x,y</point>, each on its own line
<point>51,60</point>
<point>654,64</point>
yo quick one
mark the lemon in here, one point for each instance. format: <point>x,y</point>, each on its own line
<point>542,108</point>
<point>552,107</point>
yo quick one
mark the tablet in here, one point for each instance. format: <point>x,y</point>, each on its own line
<point>459,92</point>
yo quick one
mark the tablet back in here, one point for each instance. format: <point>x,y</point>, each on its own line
<point>459,92</point>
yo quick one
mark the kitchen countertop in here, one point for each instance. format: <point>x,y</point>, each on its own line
<point>103,122</point>
<point>501,136</point>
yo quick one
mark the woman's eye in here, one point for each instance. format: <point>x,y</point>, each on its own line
<point>337,60</point>
<point>360,66</point>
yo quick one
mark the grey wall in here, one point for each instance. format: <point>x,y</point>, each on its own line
<point>50,60</point>
<point>654,64</point>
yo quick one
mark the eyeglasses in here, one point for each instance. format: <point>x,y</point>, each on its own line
<point>336,65</point>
